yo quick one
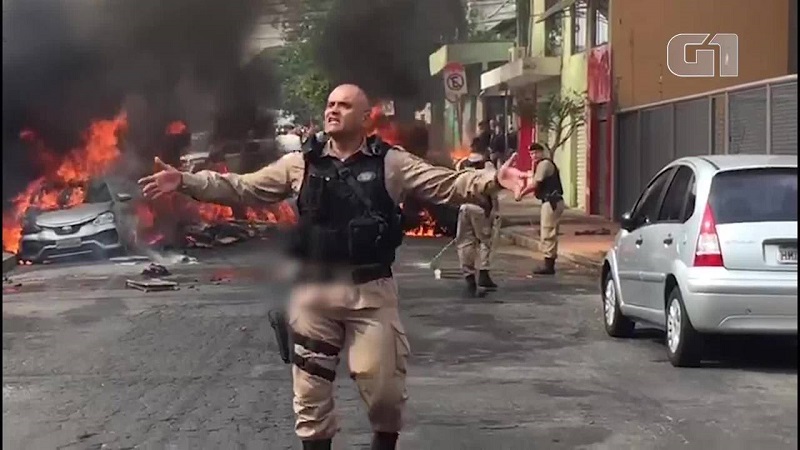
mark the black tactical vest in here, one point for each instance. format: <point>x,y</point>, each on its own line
<point>551,186</point>
<point>477,165</point>
<point>346,215</point>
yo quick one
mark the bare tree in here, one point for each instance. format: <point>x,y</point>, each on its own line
<point>561,114</point>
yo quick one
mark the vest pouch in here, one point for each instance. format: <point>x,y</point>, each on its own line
<point>366,236</point>
<point>315,243</point>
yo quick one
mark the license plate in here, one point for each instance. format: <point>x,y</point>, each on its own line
<point>68,243</point>
<point>787,255</point>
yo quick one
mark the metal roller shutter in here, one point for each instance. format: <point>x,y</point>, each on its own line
<point>783,116</point>
<point>692,128</point>
<point>580,167</point>
<point>748,122</point>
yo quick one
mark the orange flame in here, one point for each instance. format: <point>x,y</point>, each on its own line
<point>65,177</point>
<point>176,127</point>
<point>426,228</point>
<point>381,125</point>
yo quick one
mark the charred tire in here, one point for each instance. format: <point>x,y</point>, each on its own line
<point>684,343</point>
<point>616,324</point>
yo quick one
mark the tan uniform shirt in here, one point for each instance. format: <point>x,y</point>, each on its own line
<point>406,175</point>
<point>544,169</point>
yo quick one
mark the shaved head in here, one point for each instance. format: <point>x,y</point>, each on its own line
<point>352,91</point>
<point>347,111</point>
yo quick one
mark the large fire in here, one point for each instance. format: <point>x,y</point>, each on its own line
<point>66,177</point>
<point>390,132</point>
<point>64,182</point>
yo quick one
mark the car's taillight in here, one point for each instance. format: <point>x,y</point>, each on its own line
<point>708,252</point>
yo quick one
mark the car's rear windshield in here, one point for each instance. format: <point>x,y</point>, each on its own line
<point>755,195</point>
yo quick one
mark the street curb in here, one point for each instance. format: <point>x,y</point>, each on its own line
<point>9,262</point>
<point>525,241</point>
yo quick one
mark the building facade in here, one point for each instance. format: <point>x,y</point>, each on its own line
<point>566,51</point>
<point>660,116</point>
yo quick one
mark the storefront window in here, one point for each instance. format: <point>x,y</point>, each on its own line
<point>600,23</point>
<point>579,26</point>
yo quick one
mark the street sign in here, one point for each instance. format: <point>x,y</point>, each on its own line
<point>388,108</point>
<point>455,82</point>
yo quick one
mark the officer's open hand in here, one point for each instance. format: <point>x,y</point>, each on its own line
<point>513,179</point>
<point>166,179</point>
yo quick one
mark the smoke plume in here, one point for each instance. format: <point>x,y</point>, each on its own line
<point>383,45</point>
<point>68,62</point>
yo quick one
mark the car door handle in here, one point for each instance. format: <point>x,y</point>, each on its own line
<point>668,240</point>
<point>639,241</point>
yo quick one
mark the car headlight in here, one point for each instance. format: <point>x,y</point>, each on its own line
<point>30,228</point>
<point>104,219</point>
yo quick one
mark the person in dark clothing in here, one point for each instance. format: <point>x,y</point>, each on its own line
<point>484,137</point>
<point>497,146</point>
<point>546,185</point>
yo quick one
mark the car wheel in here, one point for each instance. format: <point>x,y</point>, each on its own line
<point>684,344</point>
<point>617,325</point>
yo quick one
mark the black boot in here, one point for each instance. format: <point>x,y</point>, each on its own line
<point>471,289</point>
<point>319,444</point>
<point>549,267</point>
<point>485,281</point>
<point>384,441</point>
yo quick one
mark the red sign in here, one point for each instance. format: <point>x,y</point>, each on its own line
<point>599,71</point>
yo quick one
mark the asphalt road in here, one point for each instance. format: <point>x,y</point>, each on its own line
<point>88,364</point>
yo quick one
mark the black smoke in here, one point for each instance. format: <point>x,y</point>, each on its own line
<point>68,62</point>
<point>383,45</point>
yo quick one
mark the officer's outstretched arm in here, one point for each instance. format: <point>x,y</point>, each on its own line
<point>271,184</point>
<point>440,185</point>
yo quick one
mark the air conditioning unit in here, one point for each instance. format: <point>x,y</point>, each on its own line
<point>518,53</point>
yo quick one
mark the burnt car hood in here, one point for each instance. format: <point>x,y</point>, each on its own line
<point>72,216</point>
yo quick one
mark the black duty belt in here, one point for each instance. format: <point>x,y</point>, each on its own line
<point>358,275</point>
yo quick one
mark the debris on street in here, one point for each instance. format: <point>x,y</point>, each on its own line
<point>152,285</point>
<point>593,232</point>
<point>223,233</point>
<point>155,271</point>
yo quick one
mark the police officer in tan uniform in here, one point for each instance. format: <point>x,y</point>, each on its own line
<point>348,189</point>
<point>547,187</point>
<point>475,228</point>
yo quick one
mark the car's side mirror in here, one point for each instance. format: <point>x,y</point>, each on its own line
<point>123,197</point>
<point>627,222</point>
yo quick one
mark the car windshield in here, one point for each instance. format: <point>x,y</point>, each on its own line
<point>97,192</point>
<point>755,195</point>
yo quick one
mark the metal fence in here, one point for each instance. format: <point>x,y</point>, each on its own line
<point>757,118</point>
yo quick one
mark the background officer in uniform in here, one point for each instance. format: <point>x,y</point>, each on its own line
<point>347,298</point>
<point>475,228</point>
<point>546,186</point>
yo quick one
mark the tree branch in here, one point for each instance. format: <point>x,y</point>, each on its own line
<point>560,113</point>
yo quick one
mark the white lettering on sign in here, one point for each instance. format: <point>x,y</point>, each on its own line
<point>701,64</point>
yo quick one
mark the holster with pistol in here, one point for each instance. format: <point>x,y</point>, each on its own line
<point>553,198</point>
<point>280,324</point>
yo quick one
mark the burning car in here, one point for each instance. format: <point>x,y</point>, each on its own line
<point>99,225</point>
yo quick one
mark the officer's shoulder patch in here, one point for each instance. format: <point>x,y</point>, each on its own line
<point>365,177</point>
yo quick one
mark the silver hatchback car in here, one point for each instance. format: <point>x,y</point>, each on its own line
<point>709,247</point>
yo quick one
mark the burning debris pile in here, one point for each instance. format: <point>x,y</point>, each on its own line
<point>422,220</point>
<point>169,221</point>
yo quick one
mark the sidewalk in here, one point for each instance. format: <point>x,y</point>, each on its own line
<point>583,239</point>
<point>9,262</point>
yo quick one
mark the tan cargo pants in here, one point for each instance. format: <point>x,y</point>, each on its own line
<point>548,228</point>
<point>363,321</point>
<point>473,239</point>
